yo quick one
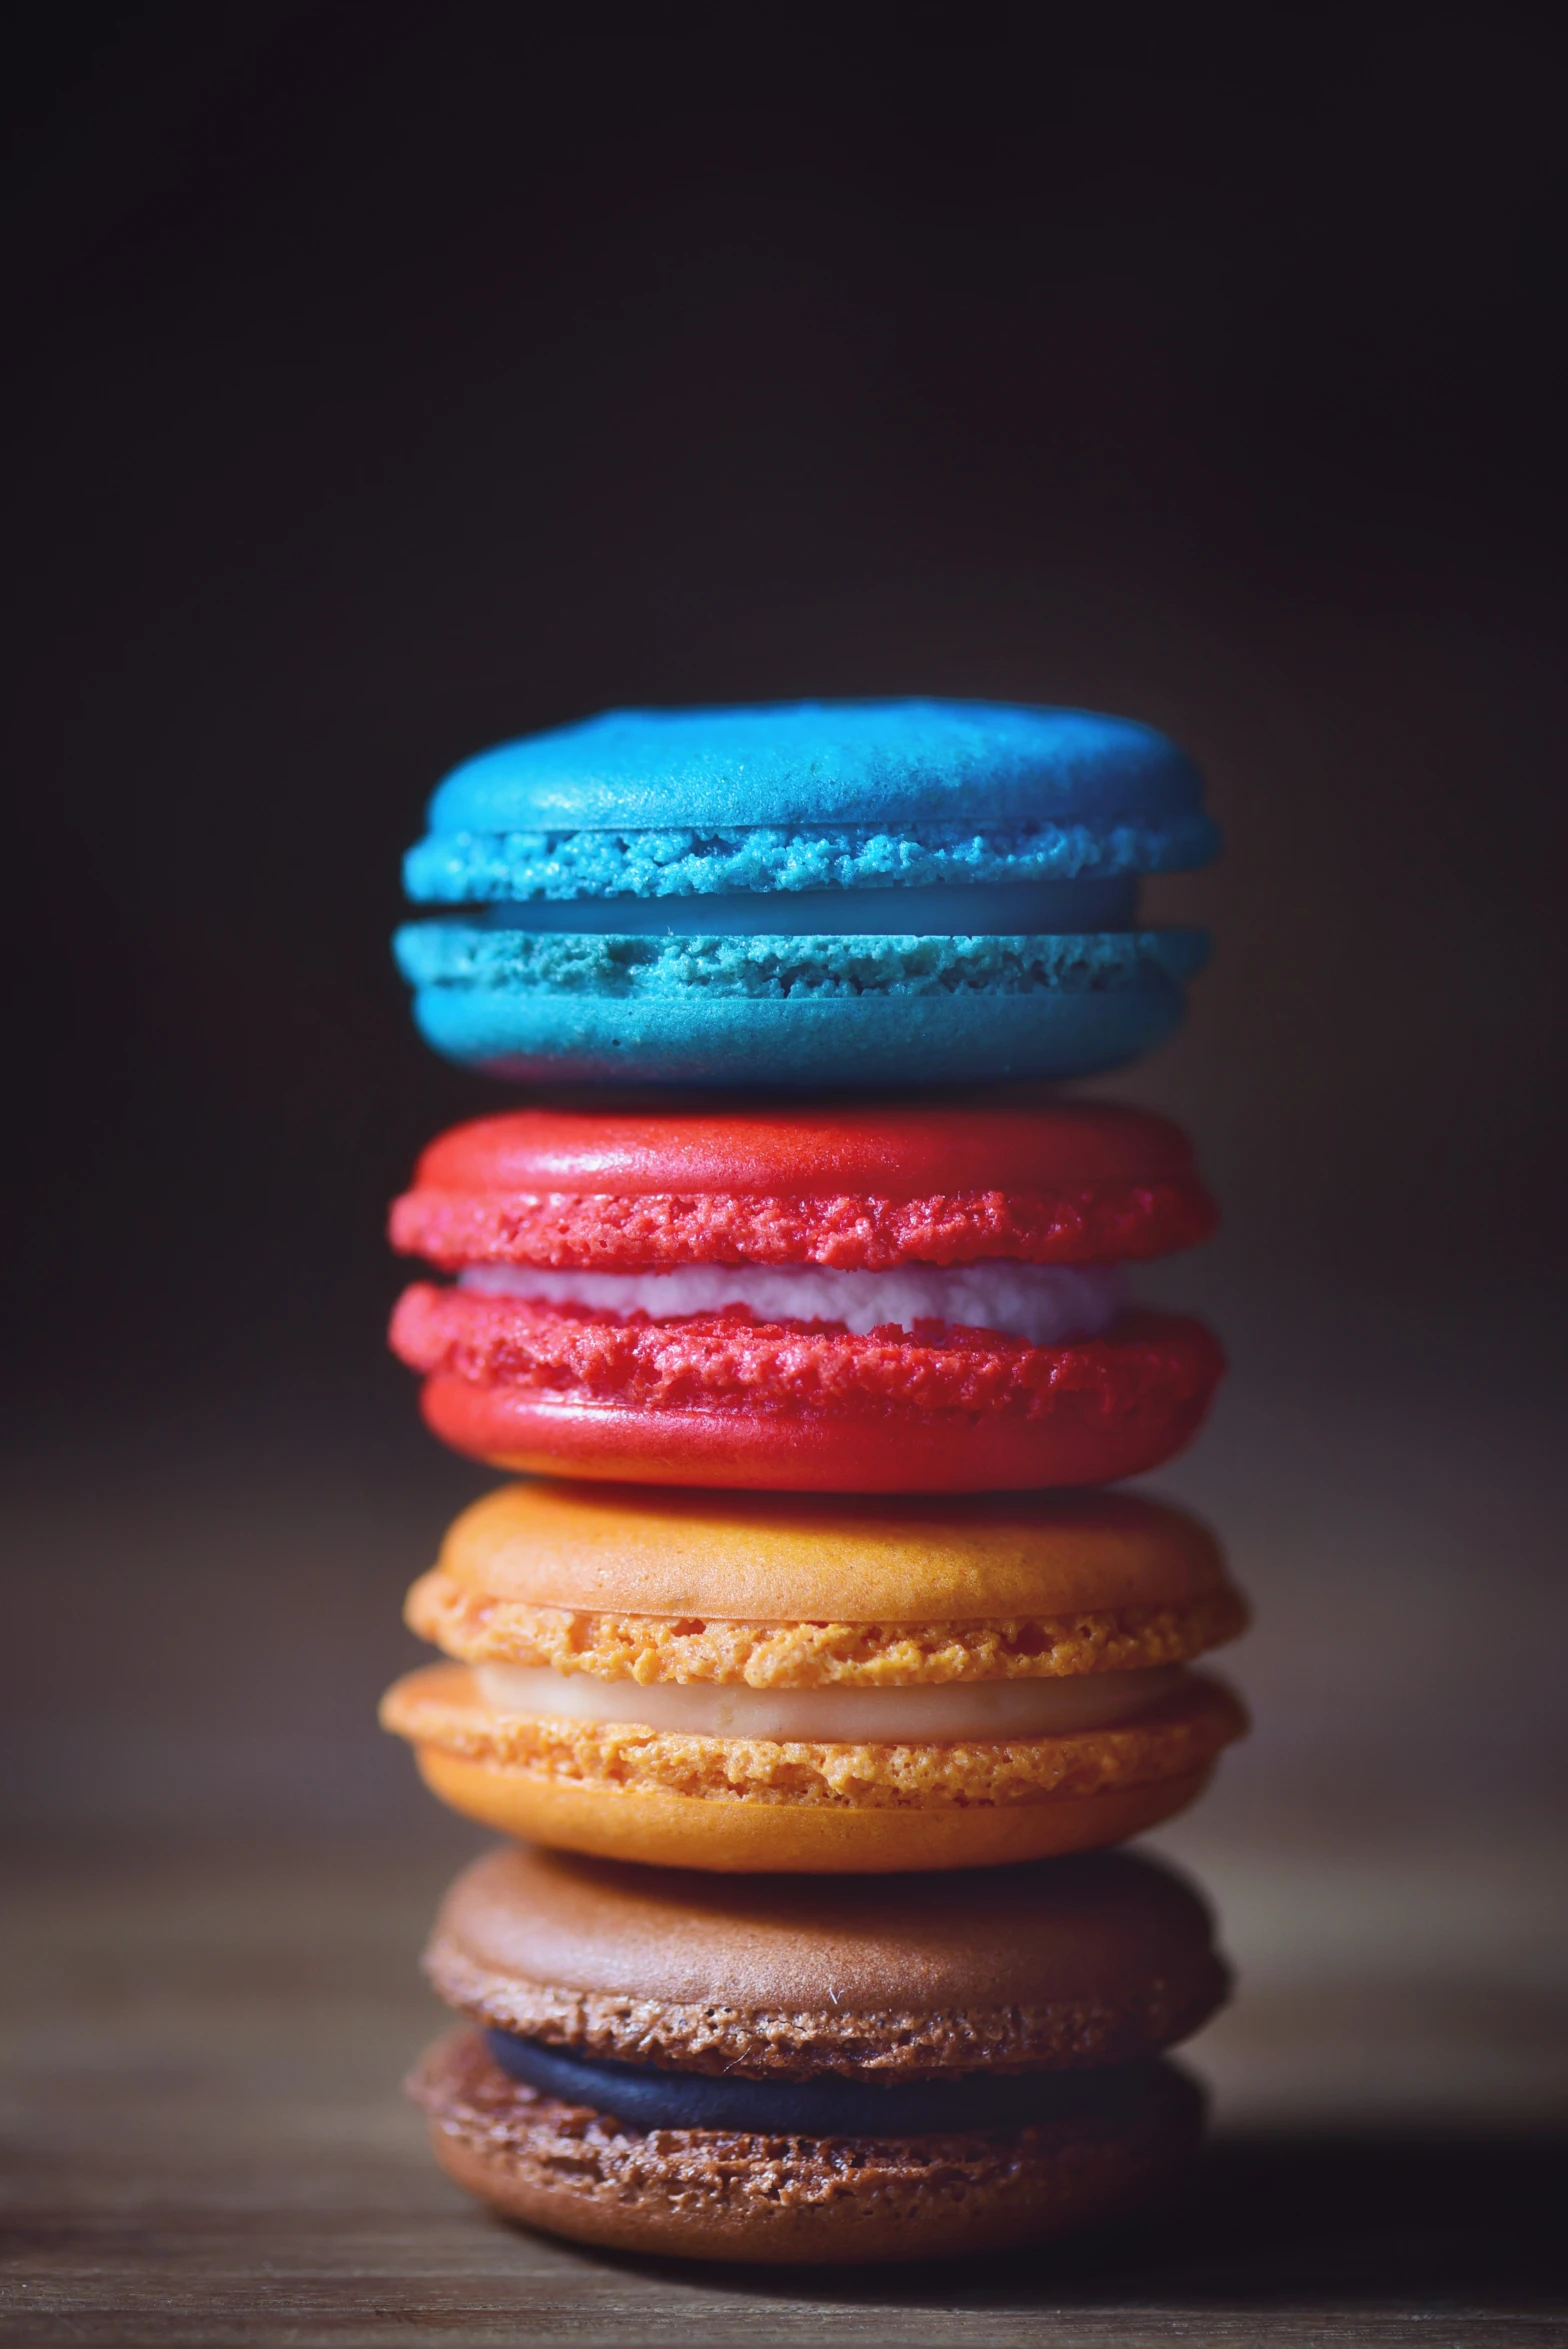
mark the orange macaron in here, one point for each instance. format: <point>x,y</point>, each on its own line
<point>738,1682</point>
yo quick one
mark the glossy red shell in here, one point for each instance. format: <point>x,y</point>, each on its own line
<point>720,1399</point>
<point>1044,1182</point>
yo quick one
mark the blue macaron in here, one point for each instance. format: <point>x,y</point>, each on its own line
<point>806,896</point>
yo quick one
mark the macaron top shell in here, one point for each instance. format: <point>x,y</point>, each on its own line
<point>815,1973</point>
<point>742,1556</point>
<point>996,1138</point>
<point>806,764</point>
<point>1009,1172</point>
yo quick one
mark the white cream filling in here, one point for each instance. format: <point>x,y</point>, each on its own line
<point>1044,1303</point>
<point>834,1716</point>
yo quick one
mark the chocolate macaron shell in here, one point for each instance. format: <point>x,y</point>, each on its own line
<point>714,2194</point>
<point>1094,1961</point>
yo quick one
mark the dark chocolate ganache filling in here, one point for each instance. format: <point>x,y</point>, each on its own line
<point>828,2106</point>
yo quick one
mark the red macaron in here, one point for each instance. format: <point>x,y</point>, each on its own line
<point>903,1297</point>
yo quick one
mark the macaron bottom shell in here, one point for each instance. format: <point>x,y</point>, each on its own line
<point>870,1042</point>
<point>665,1830</point>
<point>801,1451</point>
<point>710,2194</point>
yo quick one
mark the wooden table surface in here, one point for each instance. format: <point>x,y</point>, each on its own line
<point>205,2142</point>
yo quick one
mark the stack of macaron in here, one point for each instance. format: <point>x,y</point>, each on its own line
<point>801,1307</point>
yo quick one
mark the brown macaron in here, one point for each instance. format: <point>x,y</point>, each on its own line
<point>816,2069</point>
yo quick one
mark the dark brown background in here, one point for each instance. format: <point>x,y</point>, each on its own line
<point>386,382</point>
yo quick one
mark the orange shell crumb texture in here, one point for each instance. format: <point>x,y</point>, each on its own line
<point>751,1557</point>
<point>670,1799</point>
<point>477,1629</point>
<point>791,1839</point>
<point>439,1706</point>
